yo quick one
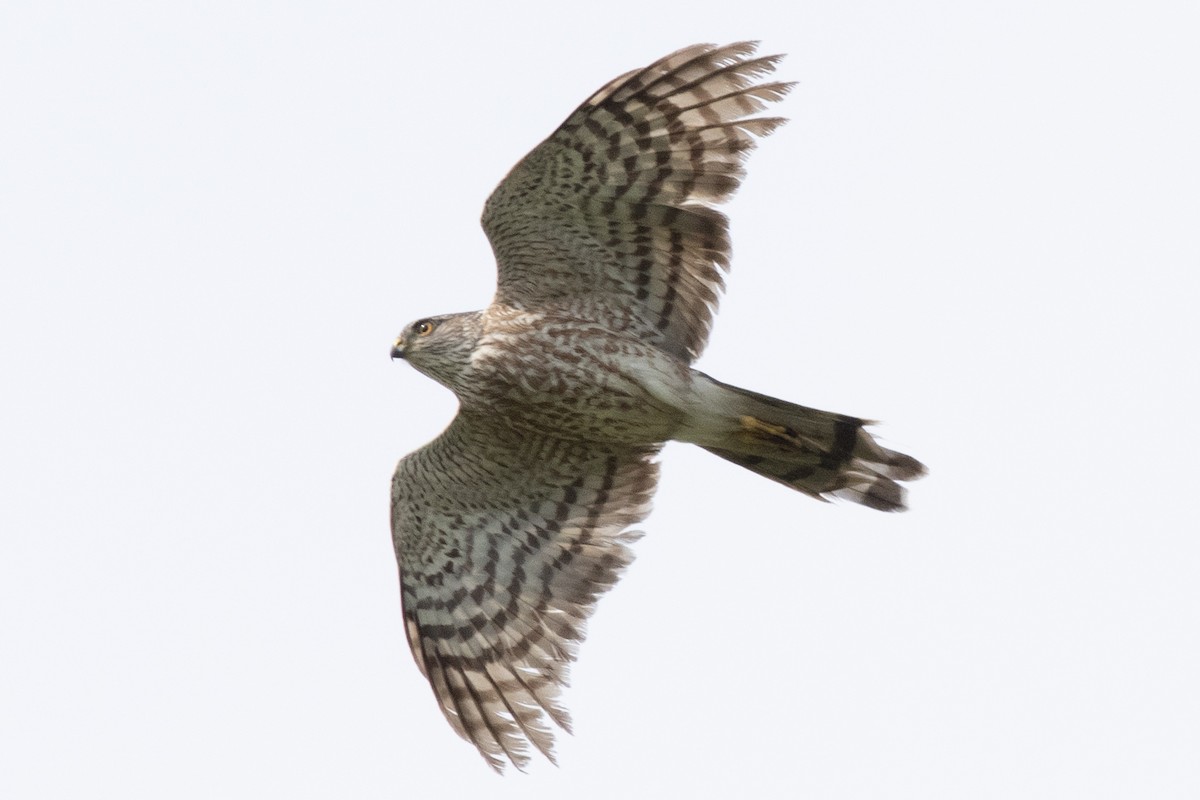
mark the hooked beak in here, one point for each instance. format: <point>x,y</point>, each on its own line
<point>398,348</point>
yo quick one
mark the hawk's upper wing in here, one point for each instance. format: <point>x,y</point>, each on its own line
<point>505,543</point>
<point>611,219</point>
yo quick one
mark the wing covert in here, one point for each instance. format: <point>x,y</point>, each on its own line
<point>612,218</point>
<point>504,544</point>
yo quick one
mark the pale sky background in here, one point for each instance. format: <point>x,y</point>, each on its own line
<point>982,227</point>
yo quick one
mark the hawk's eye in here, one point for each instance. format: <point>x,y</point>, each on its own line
<point>423,328</point>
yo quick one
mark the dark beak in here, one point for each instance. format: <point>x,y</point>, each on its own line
<point>398,349</point>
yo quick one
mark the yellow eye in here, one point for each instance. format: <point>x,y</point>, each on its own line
<point>423,328</point>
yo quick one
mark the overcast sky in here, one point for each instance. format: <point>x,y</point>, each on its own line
<point>981,228</point>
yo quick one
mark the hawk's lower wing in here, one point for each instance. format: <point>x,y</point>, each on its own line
<point>505,542</point>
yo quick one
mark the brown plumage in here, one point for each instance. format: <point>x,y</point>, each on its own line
<point>610,257</point>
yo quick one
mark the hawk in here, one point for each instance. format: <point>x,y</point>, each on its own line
<point>610,254</point>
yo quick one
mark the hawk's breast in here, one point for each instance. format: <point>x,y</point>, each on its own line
<point>575,379</point>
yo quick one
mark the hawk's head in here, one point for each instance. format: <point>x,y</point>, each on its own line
<point>440,347</point>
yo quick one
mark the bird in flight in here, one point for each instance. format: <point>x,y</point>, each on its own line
<point>610,257</point>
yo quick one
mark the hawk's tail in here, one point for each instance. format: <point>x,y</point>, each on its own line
<point>816,452</point>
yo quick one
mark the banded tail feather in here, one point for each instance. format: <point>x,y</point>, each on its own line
<point>819,453</point>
